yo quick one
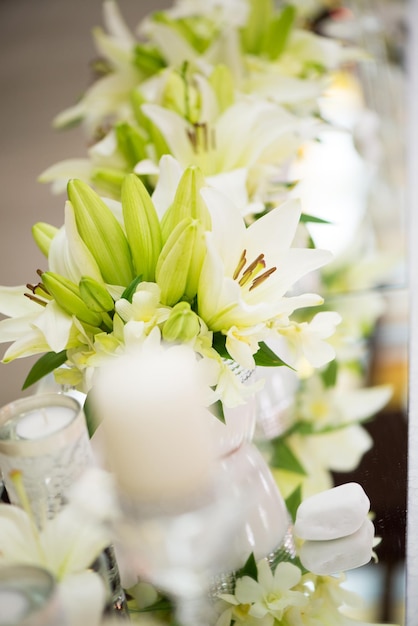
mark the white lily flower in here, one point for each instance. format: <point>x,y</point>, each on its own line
<point>304,345</point>
<point>232,184</point>
<point>32,328</point>
<point>244,279</point>
<point>223,11</point>
<point>60,173</point>
<point>271,133</point>
<point>66,546</point>
<point>340,451</point>
<point>145,306</point>
<point>69,255</point>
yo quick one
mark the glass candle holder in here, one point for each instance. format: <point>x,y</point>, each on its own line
<point>28,597</point>
<point>44,438</point>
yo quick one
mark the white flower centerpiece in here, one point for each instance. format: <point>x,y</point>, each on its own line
<point>180,231</point>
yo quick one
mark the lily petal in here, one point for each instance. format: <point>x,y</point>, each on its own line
<point>55,325</point>
<point>13,303</point>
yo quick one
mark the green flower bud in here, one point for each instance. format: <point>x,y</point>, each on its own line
<point>43,235</point>
<point>181,96</point>
<point>108,180</point>
<point>131,143</point>
<point>66,294</point>
<point>180,262</point>
<point>223,86</point>
<point>102,234</point>
<point>95,295</point>
<point>154,135</point>
<point>188,203</point>
<point>278,32</point>
<point>182,324</point>
<point>142,227</point>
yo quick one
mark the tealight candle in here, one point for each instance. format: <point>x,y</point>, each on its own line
<point>44,438</point>
<point>28,595</point>
<point>14,606</point>
<point>43,422</point>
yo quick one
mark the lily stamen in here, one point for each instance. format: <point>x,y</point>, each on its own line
<point>260,279</point>
<point>241,264</point>
<point>35,299</point>
<point>202,137</point>
<point>252,270</point>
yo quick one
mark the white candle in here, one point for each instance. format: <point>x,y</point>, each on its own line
<point>156,431</point>
<point>44,421</point>
<point>14,606</point>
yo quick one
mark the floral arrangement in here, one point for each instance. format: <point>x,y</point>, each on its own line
<point>183,226</point>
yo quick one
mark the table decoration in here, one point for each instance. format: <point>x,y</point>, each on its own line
<point>183,298</point>
<point>28,597</point>
<point>44,439</point>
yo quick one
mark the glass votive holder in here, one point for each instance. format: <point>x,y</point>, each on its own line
<point>44,438</point>
<point>28,597</point>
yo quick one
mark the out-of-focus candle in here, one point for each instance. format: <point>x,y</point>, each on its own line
<point>14,606</point>
<point>43,422</point>
<point>28,595</point>
<point>156,429</point>
<point>44,437</point>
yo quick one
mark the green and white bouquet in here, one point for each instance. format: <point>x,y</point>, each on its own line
<point>182,225</point>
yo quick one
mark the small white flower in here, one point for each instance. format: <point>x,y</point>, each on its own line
<point>269,597</point>
<point>304,344</point>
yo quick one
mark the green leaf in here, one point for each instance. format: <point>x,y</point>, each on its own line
<point>284,459</point>
<point>267,358</point>
<point>128,294</point>
<point>293,502</point>
<point>45,365</point>
<point>130,143</point>
<point>92,419</point>
<point>148,59</point>
<point>218,343</point>
<point>249,569</point>
<point>217,409</point>
<point>305,218</point>
<point>329,375</point>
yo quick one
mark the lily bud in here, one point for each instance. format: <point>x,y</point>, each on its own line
<point>180,262</point>
<point>154,134</point>
<point>102,234</point>
<point>66,294</point>
<point>182,324</point>
<point>223,86</point>
<point>181,96</point>
<point>43,235</point>
<point>187,203</point>
<point>95,295</point>
<point>130,142</point>
<point>109,180</point>
<point>142,227</point>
